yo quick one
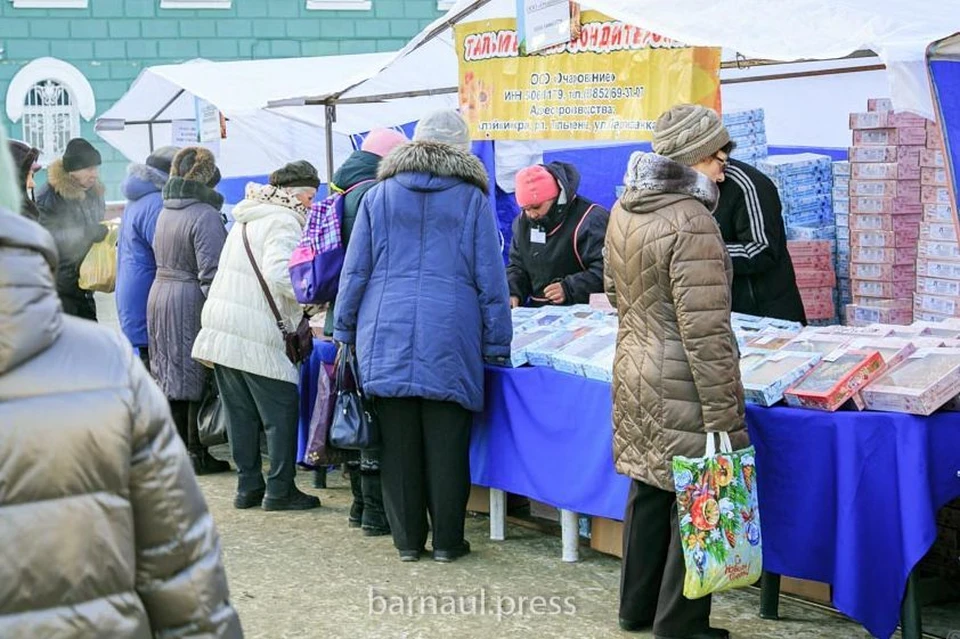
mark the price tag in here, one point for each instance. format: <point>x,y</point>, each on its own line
<point>538,236</point>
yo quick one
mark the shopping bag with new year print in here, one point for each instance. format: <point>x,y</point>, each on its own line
<point>719,518</point>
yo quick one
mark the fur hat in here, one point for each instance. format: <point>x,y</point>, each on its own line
<point>689,133</point>
<point>382,141</point>
<point>196,164</point>
<point>80,155</point>
<point>535,185</point>
<point>446,126</point>
<point>162,158</point>
<point>299,173</point>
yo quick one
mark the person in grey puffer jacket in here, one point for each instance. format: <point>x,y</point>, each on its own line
<point>104,530</point>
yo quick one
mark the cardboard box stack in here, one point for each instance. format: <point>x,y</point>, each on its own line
<point>749,130</point>
<point>805,183</point>
<point>841,212</point>
<point>938,251</point>
<point>813,262</point>
<point>884,213</point>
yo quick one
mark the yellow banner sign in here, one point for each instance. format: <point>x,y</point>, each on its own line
<point>610,82</point>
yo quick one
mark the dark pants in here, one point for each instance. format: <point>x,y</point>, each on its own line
<point>651,581</point>
<point>144,353</point>
<point>81,305</point>
<point>424,467</point>
<point>185,417</point>
<point>252,403</point>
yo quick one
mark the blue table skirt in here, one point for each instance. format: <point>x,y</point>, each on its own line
<point>846,498</point>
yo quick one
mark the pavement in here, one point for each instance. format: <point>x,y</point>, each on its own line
<point>306,574</point>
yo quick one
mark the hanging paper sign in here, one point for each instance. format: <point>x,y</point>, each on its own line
<point>183,133</point>
<point>208,121</point>
<point>542,24</point>
<point>610,83</point>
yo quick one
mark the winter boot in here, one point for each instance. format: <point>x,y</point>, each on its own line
<point>320,477</point>
<point>374,521</point>
<point>355,519</point>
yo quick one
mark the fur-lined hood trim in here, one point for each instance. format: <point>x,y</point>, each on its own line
<point>178,193</point>
<point>149,174</point>
<point>65,186</point>
<point>437,159</point>
<point>654,180</point>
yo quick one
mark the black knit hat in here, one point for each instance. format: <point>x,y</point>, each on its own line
<point>80,155</point>
<point>300,173</point>
<point>162,158</point>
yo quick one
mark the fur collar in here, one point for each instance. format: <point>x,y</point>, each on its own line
<point>179,189</point>
<point>649,174</point>
<point>435,158</point>
<point>278,196</point>
<point>65,186</point>
<point>148,174</point>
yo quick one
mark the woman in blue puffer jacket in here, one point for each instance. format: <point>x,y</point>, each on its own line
<point>423,296</point>
<point>136,265</point>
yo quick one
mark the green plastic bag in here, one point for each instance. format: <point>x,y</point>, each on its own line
<point>719,518</point>
<point>98,271</point>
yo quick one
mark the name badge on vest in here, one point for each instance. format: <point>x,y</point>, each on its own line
<point>538,236</point>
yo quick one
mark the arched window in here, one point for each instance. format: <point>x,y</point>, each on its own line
<point>50,96</point>
<point>50,119</point>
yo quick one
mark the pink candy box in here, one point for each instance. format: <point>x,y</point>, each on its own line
<point>938,213</point>
<point>837,378</point>
<point>873,255</point>
<point>883,272</point>
<point>927,267</point>
<point>934,195</point>
<point>862,154</point>
<point>938,250</point>
<point>931,158</point>
<point>809,278</point>
<point>881,289</point>
<point>938,286</point>
<point>925,303</point>
<point>938,231</point>
<point>931,176</point>
<point>919,385</point>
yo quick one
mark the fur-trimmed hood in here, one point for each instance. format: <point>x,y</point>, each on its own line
<point>178,193</point>
<point>654,181</point>
<point>143,180</point>
<point>436,159</point>
<point>65,186</point>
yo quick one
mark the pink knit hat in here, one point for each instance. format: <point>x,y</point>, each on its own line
<point>382,141</point>
<point>535,185</point>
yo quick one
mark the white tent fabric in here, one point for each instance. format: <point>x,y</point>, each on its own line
<point>782,30</point>
<point>258,139</point>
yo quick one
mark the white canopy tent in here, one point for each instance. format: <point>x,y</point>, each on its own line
<point>259,139</point>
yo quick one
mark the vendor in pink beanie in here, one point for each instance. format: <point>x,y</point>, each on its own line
<point>556,254</point>
<point>382,141</point>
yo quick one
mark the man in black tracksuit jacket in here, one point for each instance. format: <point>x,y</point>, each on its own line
<point>750,222</point>
<point>556,252</point>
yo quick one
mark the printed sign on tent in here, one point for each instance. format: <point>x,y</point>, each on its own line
<point>610,83</point>
<point>183,133</point>
<point>208,121</point>
<point>543,24</point>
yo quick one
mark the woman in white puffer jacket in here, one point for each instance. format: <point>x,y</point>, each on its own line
<point>240,338</point>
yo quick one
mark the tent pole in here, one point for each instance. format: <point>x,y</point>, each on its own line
<point>331,117</point>
<point>150,133</point>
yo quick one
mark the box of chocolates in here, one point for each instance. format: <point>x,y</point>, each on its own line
<point>765,377</point>
<point>541,353</point>
<point>935,195</point>
<point>881,289</point>
<point>887,205</point>
<point>869,154</point>
<point>946,306</point>
<point>893,350</point>
<point>938,213</point>
<point>600,366</point>
<point>921,384</point>
<point>835,379</point>
<point>932,176</point>
<point>938,231</point>
<point>927,267</point>
<point>572,358</point>
<point>883,272</point>
<point>873,255</point>
<point>937,286</point>
<point>949,251</point>
<point>932,158</point>
<point>890,136</point>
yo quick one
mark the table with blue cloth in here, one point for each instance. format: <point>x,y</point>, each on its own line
<point>846,498</point>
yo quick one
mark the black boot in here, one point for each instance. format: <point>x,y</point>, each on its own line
<point>374,517</point>
<point>320,477</point>
<point>206,464</point>
<point>355,519</point>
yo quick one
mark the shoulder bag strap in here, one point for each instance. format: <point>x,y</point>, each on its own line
<point>576,232</point>
<point>263,283</point>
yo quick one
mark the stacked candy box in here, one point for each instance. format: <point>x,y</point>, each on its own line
<point>522,314</point>
<point>600,366</point>
<point>542,352</point>
<point>816,278</point>
<point>770,339</point>
<point>765,377</point>
<point>921,384</point>
<point>525,338</point>
<point>838,377</point>
<point>572,358</point>
<point>841,210</point>
<point>893,350</point>
<point>748,129</point>
<point>880,312</point>
<point>873,330</point>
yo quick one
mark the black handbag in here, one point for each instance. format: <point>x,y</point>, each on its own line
<point>354,424</point>
<point>211,419</point>
<point>299,344</point>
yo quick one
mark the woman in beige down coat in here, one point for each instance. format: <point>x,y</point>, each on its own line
<point>103,528</point>
<point>676,373</point>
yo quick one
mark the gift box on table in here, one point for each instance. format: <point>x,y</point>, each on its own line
<point>919,385</point>
<point>838,377</point>
<point>766,376</point>
<point>600,366</point>
<point>543,351</point>
<point>893,350</point>
<point>572,358</point>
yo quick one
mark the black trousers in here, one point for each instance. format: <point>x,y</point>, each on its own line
<point>144,353</point>
<point>81,305</point>
<point>185,417</point>
<point>251,403</point>
<point>424,468</point>
<point>651,579</point>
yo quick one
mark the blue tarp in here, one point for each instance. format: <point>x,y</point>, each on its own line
<point>946,80</point>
